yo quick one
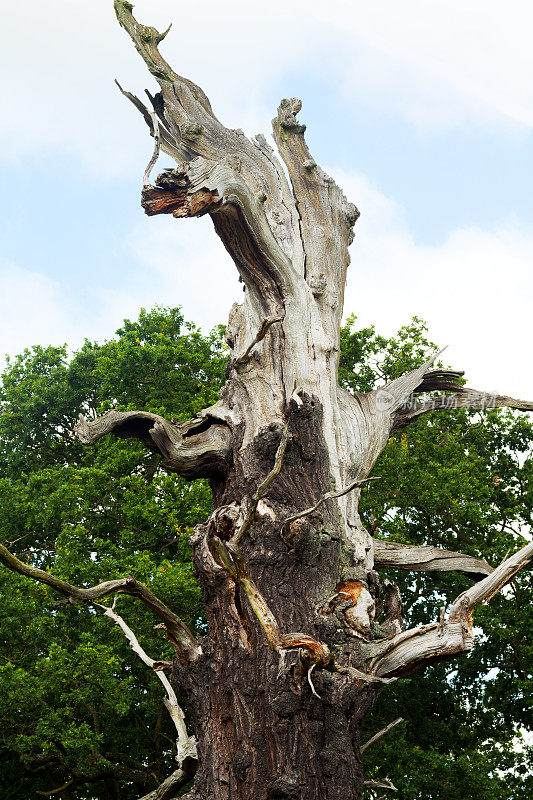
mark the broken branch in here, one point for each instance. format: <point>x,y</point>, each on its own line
<point>461,398</point>
<point>260,335</point>
<point>186,745</point>
<point>232,561</point>
<point>193,449</point>
<point>383,784</point>
<point>426,558</point>
<point>155,155</point>
<point>377,736</point>
<point>178,633</point>
<point>170,787</point>
<point>449,637</point>
<point>328,496</point>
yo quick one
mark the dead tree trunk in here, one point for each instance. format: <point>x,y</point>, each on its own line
<point>302,634</point>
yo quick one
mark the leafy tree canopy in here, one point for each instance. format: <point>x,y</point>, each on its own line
<point>77,708</point>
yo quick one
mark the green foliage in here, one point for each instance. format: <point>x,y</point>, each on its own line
<point>74,700</point>
<point>75,703</point>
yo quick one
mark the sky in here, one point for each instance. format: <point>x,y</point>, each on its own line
<point>422,111</point>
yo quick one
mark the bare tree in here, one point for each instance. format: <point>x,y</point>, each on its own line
<point>293,658</point>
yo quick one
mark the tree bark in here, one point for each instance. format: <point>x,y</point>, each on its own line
<point>283,677</point>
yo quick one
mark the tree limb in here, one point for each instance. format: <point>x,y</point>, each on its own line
<point>198,448</point>
<point>377,736</point>
<point>461,398</point>
<point>254,214</point>
<point>263,486</point>
<point>329,496</point>
<point>260,335</point>
<point>169,144</point>
<point>396,393</point>
<point>59,789</point>
<point>383,784</point>
<point>426,558</point>
<point>186,745</point>
<point>451,636</point>
<point>155,154</point>
<point>177,631</point>
<point>170,787</point>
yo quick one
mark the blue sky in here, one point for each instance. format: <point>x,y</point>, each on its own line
<point>423,111</point>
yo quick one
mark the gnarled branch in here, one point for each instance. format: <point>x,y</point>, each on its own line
<point>186,745</point>
<point>177,631</point>
<point>461,398</point>
<point>449,637</point>
<point>198,448</point>
<point>254,213</point>
<point>426,558</point>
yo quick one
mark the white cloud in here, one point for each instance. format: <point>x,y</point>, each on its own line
<point>171,264</point>
<point>474,288</point>
<point>179,263</point>
<point>33,309</point>
<point>438,63</point>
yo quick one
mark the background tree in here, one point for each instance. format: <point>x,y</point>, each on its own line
<point>276,703</point>
<point>73,693</point>
<point>77,707</point>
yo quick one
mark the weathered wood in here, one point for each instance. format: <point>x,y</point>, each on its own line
<point>451,636</point>
<point>194,449</point>
<point>379,735</point>
<point>289,439</point>
<point>426,558</point>
<point>186,745</point>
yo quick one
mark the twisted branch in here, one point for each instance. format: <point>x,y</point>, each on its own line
<point>198,448</point>
<point>426,558</point>
<point>452,635</point>
<point>178,633</point>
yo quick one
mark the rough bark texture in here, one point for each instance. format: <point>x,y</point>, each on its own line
<point>289,665</point>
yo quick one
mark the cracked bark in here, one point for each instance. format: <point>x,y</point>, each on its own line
<point>264,729</point>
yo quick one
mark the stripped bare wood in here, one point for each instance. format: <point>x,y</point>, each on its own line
<point>384,783</point>
<point>192,449</point>
<point>288,236</point>
<point>186,745</point>
<point>426,558</point>
<point>379,735</point>
<point>464,398</point>
<point>452,635</point>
